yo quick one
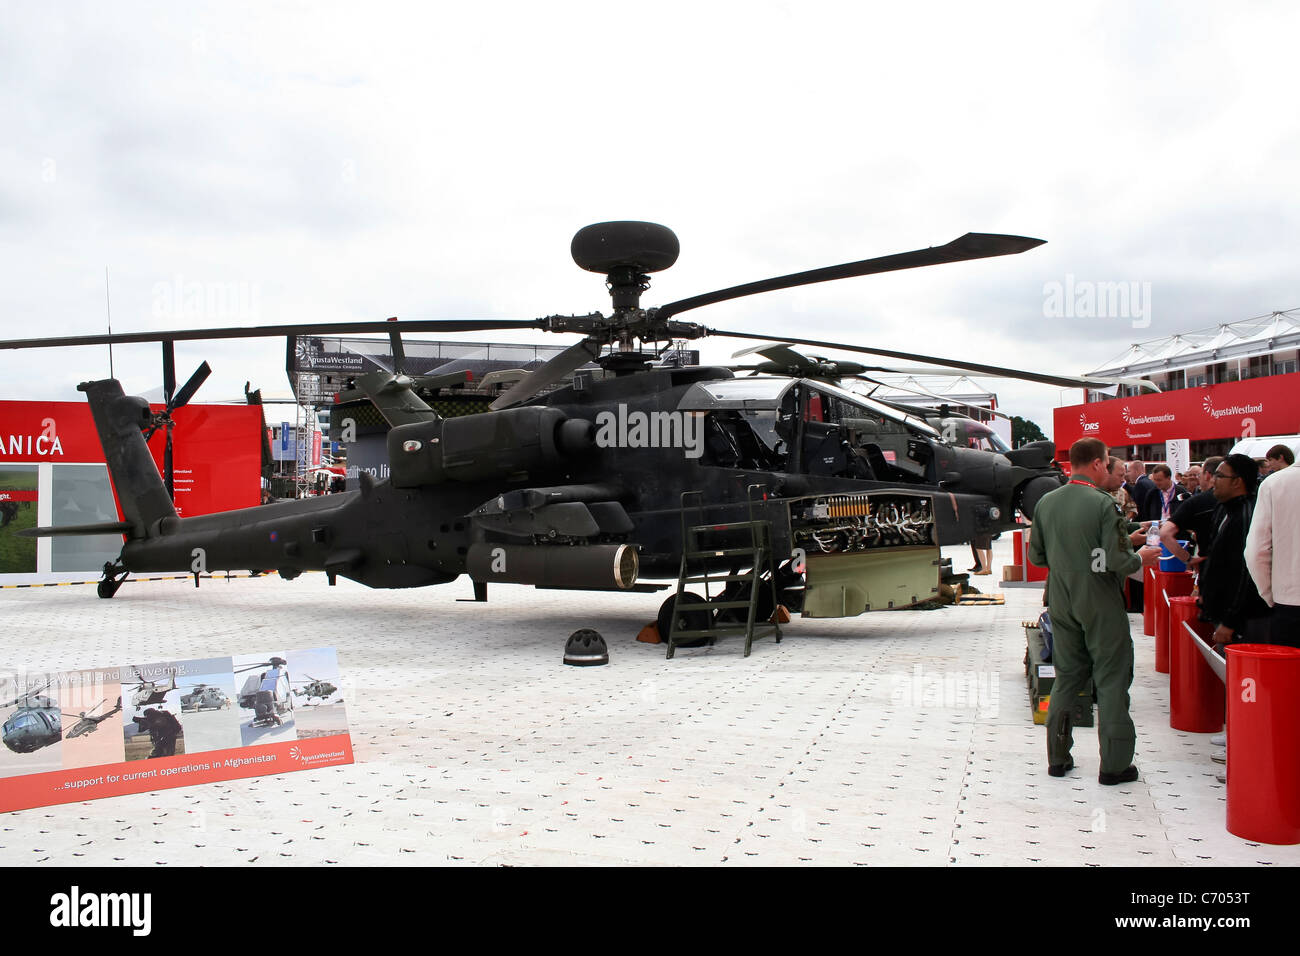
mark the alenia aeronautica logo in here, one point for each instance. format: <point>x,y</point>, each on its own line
<point>74,909</point>
<point>1132,419</point>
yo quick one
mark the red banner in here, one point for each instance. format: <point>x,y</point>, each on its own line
<point>162,773</point>
<point>217,452</point>
<point>216,457</point>
<point>48,431</point>
<point>1258,406</point>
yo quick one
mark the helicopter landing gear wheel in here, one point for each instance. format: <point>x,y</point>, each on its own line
<point>686,619</point>
<point>114,575</point>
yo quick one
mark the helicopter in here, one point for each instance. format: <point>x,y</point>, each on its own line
<point>590,481</point>
<point>150,692</point>
<point>267,706</point>
<point>35,724</point>
<point>204,697</point>
<point>316,688</point>
<point>88,725</point>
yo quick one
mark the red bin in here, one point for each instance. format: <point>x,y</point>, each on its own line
<point>1169,584</point>
<point>1195,691</point>
<point>1264,742</point>
<point>1020,541</point>
<point>1149,593</point>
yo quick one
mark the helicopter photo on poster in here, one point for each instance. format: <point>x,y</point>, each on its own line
<point>316,687</point>
<point>18,500</point>
<point>108,731</point>
<point>32,726</point>
<point>151,724</point>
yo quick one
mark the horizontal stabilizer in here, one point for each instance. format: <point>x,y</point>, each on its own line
<point>106,527</point>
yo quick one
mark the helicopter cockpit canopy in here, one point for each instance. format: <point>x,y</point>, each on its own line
<point>973,434</point>
<point>770,394</point>
<point>811,427</point>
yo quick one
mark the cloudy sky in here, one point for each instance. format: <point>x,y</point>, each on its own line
<point>304,162</point>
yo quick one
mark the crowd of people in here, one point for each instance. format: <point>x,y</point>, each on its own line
<point>1233,521</point>
<point>1210,518</point>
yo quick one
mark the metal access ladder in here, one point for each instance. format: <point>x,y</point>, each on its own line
<point>702,543</point>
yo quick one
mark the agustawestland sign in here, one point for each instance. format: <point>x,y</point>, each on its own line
<point>1259,406</point>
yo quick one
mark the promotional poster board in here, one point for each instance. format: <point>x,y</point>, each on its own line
<point>80,735</point>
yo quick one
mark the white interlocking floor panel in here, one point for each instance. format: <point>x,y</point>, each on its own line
<point>896,738</point>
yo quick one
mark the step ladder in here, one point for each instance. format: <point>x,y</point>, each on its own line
<point>703,543</point>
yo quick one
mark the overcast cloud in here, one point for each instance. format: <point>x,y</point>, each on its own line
<point>318,162</point>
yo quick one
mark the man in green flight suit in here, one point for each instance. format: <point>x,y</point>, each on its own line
<point>1083,541</point>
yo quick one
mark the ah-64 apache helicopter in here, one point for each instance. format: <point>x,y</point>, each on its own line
<point>597,484</point>
<point>88,723</point>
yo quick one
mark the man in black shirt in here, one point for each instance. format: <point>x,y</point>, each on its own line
<point>1194,516</point>
<point>1229,598</point>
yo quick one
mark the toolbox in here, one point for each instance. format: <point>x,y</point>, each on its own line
<point>1040,675</point>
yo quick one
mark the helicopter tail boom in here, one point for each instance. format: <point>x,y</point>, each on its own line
<point>141,494</point>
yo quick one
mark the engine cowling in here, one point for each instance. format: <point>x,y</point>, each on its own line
<point>516,442</point>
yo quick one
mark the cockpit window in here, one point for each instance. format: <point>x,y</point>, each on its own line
<point>979,435</point>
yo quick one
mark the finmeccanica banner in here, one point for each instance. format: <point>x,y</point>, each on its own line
<point>216,449</point>
<point>1257,406</point>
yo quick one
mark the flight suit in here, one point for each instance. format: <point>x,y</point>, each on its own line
<point>1082,539</point>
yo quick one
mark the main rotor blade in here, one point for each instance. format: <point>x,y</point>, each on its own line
<point>575,356</point>
<point>399,353</point>
<point>1061,381</point>
<point>447,380</point>
<point>973,245</point>
<point>775,352</point>
<point>272,331</point>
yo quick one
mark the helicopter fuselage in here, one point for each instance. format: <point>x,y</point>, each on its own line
<point>558,491</point>
<point>33,727</point>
